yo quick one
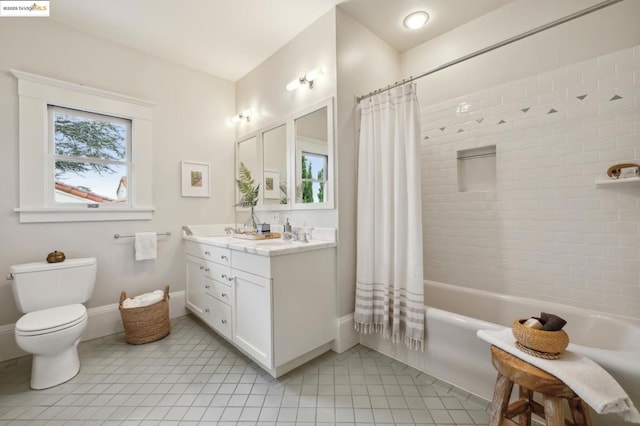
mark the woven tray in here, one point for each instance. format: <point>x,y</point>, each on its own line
<point>256,236</point>
<point>146,323</point>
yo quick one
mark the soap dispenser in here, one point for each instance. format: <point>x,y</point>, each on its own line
<point>287,226</point>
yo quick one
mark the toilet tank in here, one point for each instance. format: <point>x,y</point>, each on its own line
<point>43,285</point>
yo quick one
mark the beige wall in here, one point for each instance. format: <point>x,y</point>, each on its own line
<point>189,124</point>
<point>360,52</point>
<point>348,51</point>
<point>263,90</point>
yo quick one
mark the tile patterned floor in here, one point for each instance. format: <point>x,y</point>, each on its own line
<point>193,376</point>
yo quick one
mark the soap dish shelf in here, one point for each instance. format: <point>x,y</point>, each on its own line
<point>602,181</point>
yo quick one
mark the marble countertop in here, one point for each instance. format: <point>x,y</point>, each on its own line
<point>270,247</point>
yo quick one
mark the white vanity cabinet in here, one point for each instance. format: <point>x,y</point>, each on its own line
<point>278,309</point>
<point>209,289</point>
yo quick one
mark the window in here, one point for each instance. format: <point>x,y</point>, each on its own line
<point>314,177</point>
<point>91,157</point>
<point>85,154</point>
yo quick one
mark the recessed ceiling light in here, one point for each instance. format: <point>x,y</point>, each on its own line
<point>415,20</point>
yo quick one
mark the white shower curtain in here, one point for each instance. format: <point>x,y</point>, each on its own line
<point>389,289</point>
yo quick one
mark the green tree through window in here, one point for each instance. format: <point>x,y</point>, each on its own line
<point>321,188</point>
<point>307,184</point>
<point>80,137</point>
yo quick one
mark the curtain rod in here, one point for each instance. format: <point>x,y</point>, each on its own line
<point>515,38</point>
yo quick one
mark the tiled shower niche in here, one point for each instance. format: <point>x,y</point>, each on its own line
<point>477,169</point>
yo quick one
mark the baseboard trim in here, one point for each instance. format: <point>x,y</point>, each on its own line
<point>346,336</point>
<point>103,321</point>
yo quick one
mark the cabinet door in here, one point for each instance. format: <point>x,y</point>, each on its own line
<point>252,329</point>
<point>195,285</point>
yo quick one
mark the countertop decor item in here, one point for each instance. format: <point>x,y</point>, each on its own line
<point>257,236</point>
<point>55,257</point>
<point>539,343</point>
<point>248,194</point>
<point>616,171</point>
<point>195,179</point>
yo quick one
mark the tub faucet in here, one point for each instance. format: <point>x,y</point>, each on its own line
<point>230,230</point>
<point>187,231</point>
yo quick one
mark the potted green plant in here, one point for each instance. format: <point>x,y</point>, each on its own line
<point>248,194</point>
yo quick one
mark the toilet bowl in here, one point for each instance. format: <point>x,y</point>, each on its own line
<point>51,296</point>
<point>52,336</point>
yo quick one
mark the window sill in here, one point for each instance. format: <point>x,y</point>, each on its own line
<point>41,215</point>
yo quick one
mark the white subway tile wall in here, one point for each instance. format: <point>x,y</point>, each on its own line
<point>546,232</point>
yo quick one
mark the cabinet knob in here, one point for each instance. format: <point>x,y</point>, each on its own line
<point>201,268</point>
<point>207,310</point>
<point>206,253</point>
<point>224,321</point>
<point>224,295</point>
<point>206,269</point>
<point>207,286</point>
<point>224,276</point>
<point>223,257</point>
<point>230,279</point>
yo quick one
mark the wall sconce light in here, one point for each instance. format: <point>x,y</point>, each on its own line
<point>244,115</point>
<point>309,77</point>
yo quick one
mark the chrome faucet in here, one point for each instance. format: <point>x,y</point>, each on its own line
<point>230,230</point>
<point>286,235</point>
<point>300,236</point>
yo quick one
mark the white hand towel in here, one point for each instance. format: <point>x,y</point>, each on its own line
<point>145,299</point>
<point>588,380</point>
<point>146,245</point>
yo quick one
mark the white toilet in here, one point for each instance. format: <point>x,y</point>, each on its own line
<point>51,296</point>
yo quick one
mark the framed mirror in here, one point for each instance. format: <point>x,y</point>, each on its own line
<point>247,156</point>
<point>313,158</point>
<point>275,170</point>
<point>291,160</point>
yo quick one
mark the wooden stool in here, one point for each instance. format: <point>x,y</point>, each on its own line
<point>531,379</point>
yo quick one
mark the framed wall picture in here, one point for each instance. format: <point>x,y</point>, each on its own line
<point>271,185</point>
<point>195,179</point>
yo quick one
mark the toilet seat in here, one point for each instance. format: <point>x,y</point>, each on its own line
<point>51,320</point>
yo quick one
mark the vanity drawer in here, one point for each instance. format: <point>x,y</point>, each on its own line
<point>218,316</point>
<point>222,292</point>
<point>204,251</point>
<point>218,272</point>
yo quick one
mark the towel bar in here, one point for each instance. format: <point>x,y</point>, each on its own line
<point>116,236</point>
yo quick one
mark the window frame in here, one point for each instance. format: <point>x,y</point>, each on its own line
<point>35,94</point>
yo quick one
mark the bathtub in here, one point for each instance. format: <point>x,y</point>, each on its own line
<point>453,353</point>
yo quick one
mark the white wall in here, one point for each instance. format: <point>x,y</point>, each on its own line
<point>595,34</point>
<point>545,232</point>
<point>189,124</point>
